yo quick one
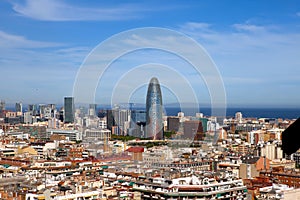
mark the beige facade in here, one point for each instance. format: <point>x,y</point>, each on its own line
<point>26,150</point>
<point>248,171</point>
<point>292,195</point>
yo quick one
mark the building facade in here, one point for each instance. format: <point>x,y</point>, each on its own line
<point>173,124</point>
<point>69,109</point>
<point>19,107</point>
<point>101,134</point>
<point>137,123</point>
<point>154,122</point>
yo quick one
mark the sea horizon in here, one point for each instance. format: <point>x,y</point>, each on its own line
<point>247,112</point>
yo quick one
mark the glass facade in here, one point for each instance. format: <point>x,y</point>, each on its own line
<point>154,122</point>
<point>69,110</point>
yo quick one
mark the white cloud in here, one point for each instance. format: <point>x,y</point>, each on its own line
<point>255,57</point>
<point>53,10</point>
<point>196,26</point>
<point>249,27</point>
<point>35,67</point>
<point>247,39</point>
<point>16,41</point>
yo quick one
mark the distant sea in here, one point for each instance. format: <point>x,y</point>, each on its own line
<point>285,113</point>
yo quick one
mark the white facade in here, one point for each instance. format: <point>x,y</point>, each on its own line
<point>81,195</point>
<point>103,123</point>
<point>238,117</point>
<point>28,117</point>
<point>102,134</point>
<point>279,191</point>
<point>199,115</point>
<point>271,151</point>
<point>47,112</point>
<point>212,126</point>
<point>161,155</point>
<point>180,114</point>
<point>73,135</point>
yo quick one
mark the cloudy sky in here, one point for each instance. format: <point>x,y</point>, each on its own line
<point>255,46</point>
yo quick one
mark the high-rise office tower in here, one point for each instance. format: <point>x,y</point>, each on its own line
<point>122,119</point>
<point>92,109</point>
<point>110,119</point>
<point>154,122</point>
<point>137,116</point>
<point>28,117</point>
<point>53,110</point>
<point>49,111</point>
<point>137,123</point>
<point>42,110</point>
<point>19,107</point>
<point>33,108</point>
<point>69,110</point>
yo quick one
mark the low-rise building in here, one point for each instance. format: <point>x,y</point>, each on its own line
<point>72,135</point>
<point>190,188</point>
<point>282,176</point>
<point>100,134</point>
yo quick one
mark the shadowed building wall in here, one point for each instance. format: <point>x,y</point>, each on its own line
<point>69,110</point>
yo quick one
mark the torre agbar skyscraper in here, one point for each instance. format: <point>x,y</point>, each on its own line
<point>154,123</point>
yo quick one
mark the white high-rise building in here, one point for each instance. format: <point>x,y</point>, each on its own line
<point>92,110</point>
<point>271,151</point>
<point>47,112</point>
<point>122,117</point>
<point>28,117</point>
<point>238,116</point>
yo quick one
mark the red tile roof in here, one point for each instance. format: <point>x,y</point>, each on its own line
<point>136,149</point>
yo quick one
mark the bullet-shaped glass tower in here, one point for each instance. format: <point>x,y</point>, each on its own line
<point>154,123</point>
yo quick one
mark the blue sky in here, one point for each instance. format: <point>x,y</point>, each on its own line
<point>254,44</point>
